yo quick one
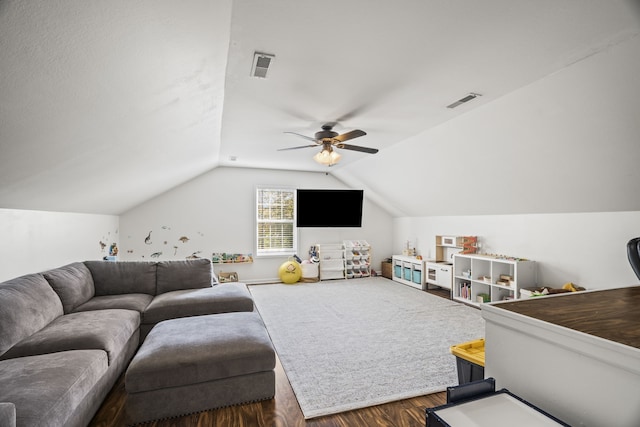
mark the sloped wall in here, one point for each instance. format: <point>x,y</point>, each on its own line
<point>566,143</point>
<point>216,213</point>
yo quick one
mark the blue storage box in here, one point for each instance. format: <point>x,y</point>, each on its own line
<point>397,271</point>
<point>417,276</point>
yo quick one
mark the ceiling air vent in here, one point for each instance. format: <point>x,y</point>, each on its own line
<point>463,100</point>
<point>261,64</point>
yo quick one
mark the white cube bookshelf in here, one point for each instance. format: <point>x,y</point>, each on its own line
<point>477,278</point>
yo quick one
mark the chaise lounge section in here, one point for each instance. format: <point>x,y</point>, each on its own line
<point>67,334</point>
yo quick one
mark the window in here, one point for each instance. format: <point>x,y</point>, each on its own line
<point>275,221</point>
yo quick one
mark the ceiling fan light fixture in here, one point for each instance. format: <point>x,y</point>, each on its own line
<point>327,157</point>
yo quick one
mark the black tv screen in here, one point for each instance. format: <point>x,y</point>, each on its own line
<point>329,208</point>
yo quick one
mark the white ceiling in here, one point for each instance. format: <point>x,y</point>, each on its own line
<point>105,104</point>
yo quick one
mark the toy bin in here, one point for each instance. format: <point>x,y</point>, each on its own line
<point>407,273</point>
<point>469,360</point>
<point>397,270</point>
<point>417,276</point>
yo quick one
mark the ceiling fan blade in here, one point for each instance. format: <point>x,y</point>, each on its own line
<point>303,136</point>
<point>357,148</point>
<point>349,135</point>
<point>296,148</point>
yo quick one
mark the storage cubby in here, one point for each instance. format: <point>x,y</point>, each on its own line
<point>357,254</point>
<point>409,271</point>
<point>487,278</point>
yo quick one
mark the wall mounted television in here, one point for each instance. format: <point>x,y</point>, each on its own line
<point>329,208</point>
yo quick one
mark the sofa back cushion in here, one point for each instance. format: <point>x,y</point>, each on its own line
<point>73,283</point>
<point>129,277</point>
<point>187,274</point>
<point>27,305</point>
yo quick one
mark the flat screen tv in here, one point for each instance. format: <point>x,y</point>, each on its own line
<point>329,208</point>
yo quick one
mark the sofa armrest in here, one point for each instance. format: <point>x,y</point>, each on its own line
<point>7,414</point>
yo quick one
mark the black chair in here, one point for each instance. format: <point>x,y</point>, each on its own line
<point>633,252</point>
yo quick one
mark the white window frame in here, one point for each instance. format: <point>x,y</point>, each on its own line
<point>275,251</point>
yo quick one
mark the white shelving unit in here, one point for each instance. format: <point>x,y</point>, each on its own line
<point>332,262</point>
<point>409,270</point>
<point>357,254</point>
<point>486,278</point>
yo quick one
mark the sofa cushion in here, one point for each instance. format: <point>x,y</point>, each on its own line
<point>47,389</point>
<point>107,330</point>
<point>114,278</point>
<point>28,304</point>
<point>73,283</point>
<point>193,350</point>
<point>7,414</point>
<point>223,298</point>
<point>187,274</point>
<point>137,302</point>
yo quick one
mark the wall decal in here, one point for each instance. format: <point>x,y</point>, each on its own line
<point>175,250</point>
<point>184,239</point>
<point>113,249</point>
<point>193,255</point>
<point>147,240</point>
<point>102,245</point>
<point>156,254</point>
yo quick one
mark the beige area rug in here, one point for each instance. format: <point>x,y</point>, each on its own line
<point>349,344</point>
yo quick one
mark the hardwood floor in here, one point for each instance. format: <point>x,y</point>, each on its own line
<point>282,411</point>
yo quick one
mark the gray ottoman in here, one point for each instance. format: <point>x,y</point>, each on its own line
<point>198,363</point>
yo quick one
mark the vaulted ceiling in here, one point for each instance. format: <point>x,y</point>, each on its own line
<point>105,104</point>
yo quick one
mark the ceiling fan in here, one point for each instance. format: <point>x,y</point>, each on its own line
<point>329,140</point>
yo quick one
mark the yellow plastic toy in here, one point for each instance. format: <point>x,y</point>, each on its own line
<point>290,272</point>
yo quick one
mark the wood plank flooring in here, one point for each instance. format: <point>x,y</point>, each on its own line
<point>612,314</point>
<point>282,411</point>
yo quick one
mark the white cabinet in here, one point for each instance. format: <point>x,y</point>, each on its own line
<point>332,262</point>
<point>409,271</point>
<point>357,254</point>
<point>439,274</point>
<point>485,278</point>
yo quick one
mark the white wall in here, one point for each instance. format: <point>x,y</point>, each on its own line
<point>588,249</point>
<point>34,241</point>
<point>566,143</point>
<point>216,212</point>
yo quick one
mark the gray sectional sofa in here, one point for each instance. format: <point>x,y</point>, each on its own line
<point>67,334</point>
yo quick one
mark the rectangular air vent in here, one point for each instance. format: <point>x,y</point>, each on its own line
<point>261,64</point>
<point>463,100</point>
